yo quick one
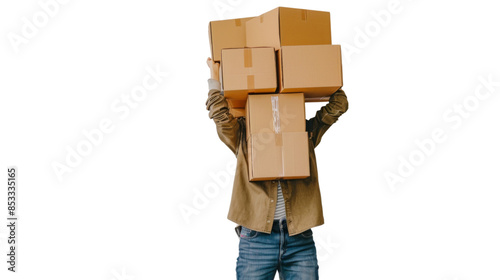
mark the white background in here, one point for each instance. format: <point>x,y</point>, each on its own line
<point>116,214</point>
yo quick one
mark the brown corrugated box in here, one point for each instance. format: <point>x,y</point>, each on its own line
<point>317,99</point>
<point>276,137</point>
<point>278,156</point>
<point>226,34</point>
<point>236,103</point>
<point>314,70</point>
<point>271,112</point>
<point>248,70</point>
<point>289,27</point>
<point>237,112</point>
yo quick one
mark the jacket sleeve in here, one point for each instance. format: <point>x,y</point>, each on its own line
<point>326,116</point>
<point>228,127</point>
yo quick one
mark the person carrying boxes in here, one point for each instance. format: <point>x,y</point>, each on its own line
<point>271,65</point>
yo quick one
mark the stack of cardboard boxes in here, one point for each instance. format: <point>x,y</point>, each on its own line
<point>270,66</point>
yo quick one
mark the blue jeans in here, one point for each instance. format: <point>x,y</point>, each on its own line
<point>261,254</point>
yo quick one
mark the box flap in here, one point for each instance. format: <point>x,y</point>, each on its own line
<point>229,33</point>
<point>304,27</point>
<point>263,31</point>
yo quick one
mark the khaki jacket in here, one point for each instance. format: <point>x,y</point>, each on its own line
<point>253,203</point>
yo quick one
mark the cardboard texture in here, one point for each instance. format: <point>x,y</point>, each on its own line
<point>237,112</point>
<point>226,34</point>
<point>317,99</point>
<point>248,70</point>
<point>236,103</point>
<point>275,112</point>
<point>314,70</point>
<point>289,27</point>
<point>276,137</point>
<point>278,156</point>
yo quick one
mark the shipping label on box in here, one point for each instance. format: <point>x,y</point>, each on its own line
<point>248,70</point>
<point>226,34</point>
<point>289,27</point>
<point>314,70</point>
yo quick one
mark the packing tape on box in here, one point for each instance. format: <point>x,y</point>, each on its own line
<point>278,136</point>
<point>247,61</point>
<point>276,114</point>
<point>304,15</point>
<point>247,57</point>
<point>237,22</point>
<point>250,82</point>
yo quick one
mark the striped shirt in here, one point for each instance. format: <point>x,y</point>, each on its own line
<point>280,205</point>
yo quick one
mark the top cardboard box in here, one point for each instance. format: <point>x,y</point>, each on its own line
<point>226,34</point>
<point>289,27</point>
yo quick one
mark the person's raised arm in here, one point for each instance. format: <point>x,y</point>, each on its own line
<point>228,127</point>
<point>326,116</point>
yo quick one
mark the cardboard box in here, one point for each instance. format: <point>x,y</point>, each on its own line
<point>248,70</point>
<point>236,103</point>
<point>318,99</point>
<point>237,112</point>
<point>278,156</point>
<point>314,70</point>
<point>277,113</point>
<point>289,27</point>
<point>226,34</point>
<point>278,146</point>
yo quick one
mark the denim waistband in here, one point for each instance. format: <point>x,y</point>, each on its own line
<point>276,225</point>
